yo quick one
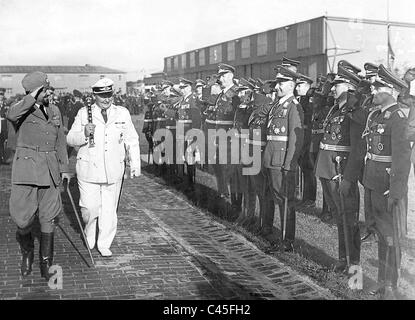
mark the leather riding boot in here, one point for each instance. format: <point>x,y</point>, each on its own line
<point>27,246</point>
<point>46,254</point>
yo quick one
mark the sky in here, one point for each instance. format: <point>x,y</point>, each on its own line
<point>135,35</point>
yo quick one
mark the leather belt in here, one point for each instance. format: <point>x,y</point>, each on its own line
<point>219,122</point>
<point>331,147</point>
<point>148,120</point>
<point>184,121</point>
<point>38,148</point>
<point>378,158</point>
<point>256,142</point>
<point>277,138</point>
<point>317,131</point>
<point>170,127</point>
<point>159,119</point>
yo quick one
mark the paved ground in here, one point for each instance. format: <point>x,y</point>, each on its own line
<point>164,249</point>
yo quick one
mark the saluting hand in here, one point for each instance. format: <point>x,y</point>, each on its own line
<point>89,128</point>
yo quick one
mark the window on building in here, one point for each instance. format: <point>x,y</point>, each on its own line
<point>312,71</point>
<point>9,91</point>
<point>176,63</point>
<point>192,62</point>
<point>102,76</point>
<point>202,58</point>
<point>281,41</point>
<point>231,50</point>
<point>184,62</point>
<point>303,35</point>
<point>246,48</point>
<point>262,44</point>
<point>215,54</point>
<point>6,77</point>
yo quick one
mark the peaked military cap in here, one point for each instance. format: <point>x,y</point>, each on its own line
<point>103,85</point>
<point>347,65</point>
<point>246,83</point>
<point>304,79</point>
<point>388,79</point>
<point>34,80</point>
<point>289,62</point>
<point>285,74</point>
<point>371,69</point>
<point>184,82</point>
<point>200,83</point>
<point>77,93</point>
<point>345,75</point>
<point>165,84</point>
<point>225,68</point>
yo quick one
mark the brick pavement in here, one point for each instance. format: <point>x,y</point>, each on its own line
<point>164,249</point>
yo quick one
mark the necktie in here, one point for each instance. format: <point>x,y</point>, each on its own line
<point>104,114</point>
<point>42,108</point>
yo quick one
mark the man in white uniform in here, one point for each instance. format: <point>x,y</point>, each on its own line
<point>100,166</point>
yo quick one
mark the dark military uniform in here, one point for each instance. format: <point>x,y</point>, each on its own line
<point>340,134</point>
<point>148,126</point>
<point>222,117</point>
<point>306,164</point>
<point>3,127</point>
<point>188,117</point>
<point>284,142</point>
<point>386,178</point>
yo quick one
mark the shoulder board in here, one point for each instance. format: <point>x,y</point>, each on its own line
<point>401,114</point>
<point>295,101</point>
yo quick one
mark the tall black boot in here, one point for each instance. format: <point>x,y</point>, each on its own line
<point>46,254</point>
<point>27,248</point>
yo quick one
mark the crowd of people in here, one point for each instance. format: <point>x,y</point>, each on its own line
<point>346,128</point>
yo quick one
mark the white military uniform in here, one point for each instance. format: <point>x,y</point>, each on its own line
<point>100,168</point>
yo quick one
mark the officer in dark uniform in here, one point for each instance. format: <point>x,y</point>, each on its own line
<point>257,123</point>
<point>341,135</point>
<point>148,125</point>
<point>39,165</point>
<point>386,175</point>
<point>285,135</point>
<point>222,117</point>
<point>305,96</point>
<point>188,117</point>
<point>322,103</point>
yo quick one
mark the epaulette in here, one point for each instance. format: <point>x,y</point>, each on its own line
<point>402,114</point>
<point>295,101</point>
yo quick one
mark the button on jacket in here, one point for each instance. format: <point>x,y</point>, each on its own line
<point>40,147</point>
<point>104,163</point>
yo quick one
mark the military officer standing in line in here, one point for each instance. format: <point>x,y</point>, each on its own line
<point>222,117</point>
<point>100,166</point>
<point>285,135</point>
<point>341,135</point>
<point>305,96</point>
<point>39,166</point>
<point>188,117</point>
<point>386,175</point>
<point>322,103</point>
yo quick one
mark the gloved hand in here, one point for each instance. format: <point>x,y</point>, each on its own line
<point>344,187</point>
<point>135,172</point>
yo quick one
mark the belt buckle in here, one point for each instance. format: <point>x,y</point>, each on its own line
<point>369,156</point>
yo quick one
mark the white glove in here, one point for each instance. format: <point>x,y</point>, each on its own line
<point>135,172</point>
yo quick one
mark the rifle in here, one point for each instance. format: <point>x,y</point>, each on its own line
<point>339,178</point>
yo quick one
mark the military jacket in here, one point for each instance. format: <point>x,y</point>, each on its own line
<point>306,103</point>
<point>285,134</point>
<point>40,144</point>
<point>320,110</point>
<point>223,112</point>
<point>188,113</point>
<point>388,152</point>
<point>342,135</point>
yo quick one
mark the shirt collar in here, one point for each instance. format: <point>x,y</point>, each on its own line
<point>285,98</point>
<point>387,106</point>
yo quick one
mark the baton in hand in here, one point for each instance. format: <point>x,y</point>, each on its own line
<point>79,222</point>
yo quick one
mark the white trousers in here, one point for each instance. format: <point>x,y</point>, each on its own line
<point>99,201</point>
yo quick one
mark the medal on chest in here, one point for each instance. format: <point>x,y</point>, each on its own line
<point>380,128</point>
